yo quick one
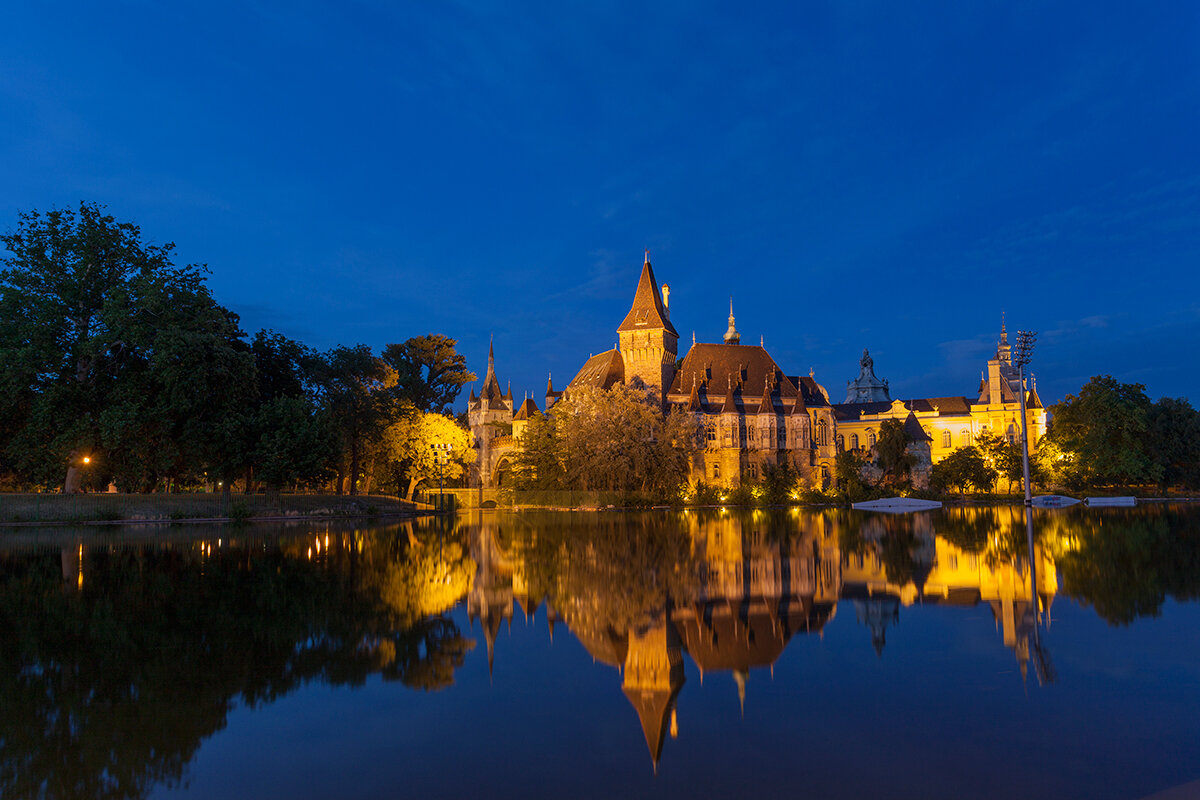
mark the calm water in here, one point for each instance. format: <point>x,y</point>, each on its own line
<point>600,655</point>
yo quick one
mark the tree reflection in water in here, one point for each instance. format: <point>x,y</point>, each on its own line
<point>118,661</point>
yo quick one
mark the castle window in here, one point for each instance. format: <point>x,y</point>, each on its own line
<point>782,438</point>
<point>946,439</point>
<point>854,441</point>
<point>870,438</point>
<point>841,442</point>
<point>754,471</point>
<point>822,433</point>
<point>966,438</point>
<point>1011,435</point>
<point>710,433</point>
<point>750,434</point>
<point>716,470</point>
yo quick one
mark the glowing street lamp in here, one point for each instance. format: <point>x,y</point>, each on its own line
<point>441,454</point>
<point>1022,353</point>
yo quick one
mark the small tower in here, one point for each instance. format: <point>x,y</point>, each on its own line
<point>646,338</point>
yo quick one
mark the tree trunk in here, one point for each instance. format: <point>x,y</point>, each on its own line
<point>412,487</point>
<point>353,467</point>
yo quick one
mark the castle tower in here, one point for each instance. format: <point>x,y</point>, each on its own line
<point>487,415</point>
<point>647,339</point>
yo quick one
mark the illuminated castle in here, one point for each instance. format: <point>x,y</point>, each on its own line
<point>753,413</point>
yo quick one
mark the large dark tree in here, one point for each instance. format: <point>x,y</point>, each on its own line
<point>1104,430</point>
<point>108,349</point>
<point>430,373</point>
<point>1173,440</point>
<point>353,383</point>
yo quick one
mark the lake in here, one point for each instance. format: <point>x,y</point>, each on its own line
<point>705,653</point>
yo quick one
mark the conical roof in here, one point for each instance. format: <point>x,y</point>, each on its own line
<point>647,312</point>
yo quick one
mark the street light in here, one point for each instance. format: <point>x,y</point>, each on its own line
<point>441,454</point>
<point>1022,353</point>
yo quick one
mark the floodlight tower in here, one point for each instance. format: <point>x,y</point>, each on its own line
<point>1022,353</point>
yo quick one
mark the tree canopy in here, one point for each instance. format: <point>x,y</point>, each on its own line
<point>1104,430</point>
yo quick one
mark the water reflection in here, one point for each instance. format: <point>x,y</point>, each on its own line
<point>120,657</point>
<point>729,592</point>
<point>119,660</point>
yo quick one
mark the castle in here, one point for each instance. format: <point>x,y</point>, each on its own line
<point>752,412</point>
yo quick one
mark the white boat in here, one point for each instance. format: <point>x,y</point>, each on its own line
<point>1053,501</point>
<point>1110,502</point>
<point>897,505</point>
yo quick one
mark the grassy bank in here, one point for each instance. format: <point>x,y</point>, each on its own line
<point>83,508</point>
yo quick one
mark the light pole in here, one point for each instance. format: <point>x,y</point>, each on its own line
<point>1021,355</point>
<point>441,452</point>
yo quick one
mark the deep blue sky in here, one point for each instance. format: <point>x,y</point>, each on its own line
<point>884,175</point>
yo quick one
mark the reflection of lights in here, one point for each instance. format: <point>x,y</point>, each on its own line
<point>310,554</point>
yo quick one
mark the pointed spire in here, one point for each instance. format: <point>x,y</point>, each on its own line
<point>647,311</point>
<point>549,383</point>
<point>730,406</point>
<point>693,338</point>
<point>694,401</point>
<point>732,336</point>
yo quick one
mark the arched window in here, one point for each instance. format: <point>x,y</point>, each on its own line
<point>822,433</point>
<point>854,441</point>
<point>1011,435</point>
<point>716,470</point>
<point>710,432</point>
<point>966,438</point>
<point>870,438</point>
<point>946,439</point>
<point>824,477</point>
<point>841,442</point>
<point>750,434</point>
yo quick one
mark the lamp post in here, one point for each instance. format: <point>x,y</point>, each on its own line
<point>441,452</point>
<point>1021,355</point>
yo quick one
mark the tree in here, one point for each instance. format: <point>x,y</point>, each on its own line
<point>1173,441</point>
<point>430,373</point>
<point>536,464</point>
<point>1001,455</point>
<point>1104,429</point>
<point>415,443</point>
<point>847,470</point>
<point>619,440</point>
<point>891,451</point>
<point>352,387</point>
<point>962,469</point>
<point>109,350</point>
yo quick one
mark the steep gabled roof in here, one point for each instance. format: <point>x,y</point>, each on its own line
<point>528,409</point>
<point>600,371</point>
<point>814,396</point>
<point>721,364</point>
<point>731,404</point>
<point>1033,401</point>
<point>914,430</point>
<point>647,312</point>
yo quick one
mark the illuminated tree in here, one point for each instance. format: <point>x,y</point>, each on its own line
<point>964,468</point>
<point>415,444</point>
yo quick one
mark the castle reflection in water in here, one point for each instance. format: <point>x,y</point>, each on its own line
<point>731,590</point>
